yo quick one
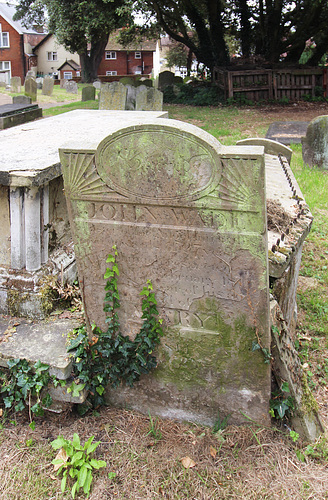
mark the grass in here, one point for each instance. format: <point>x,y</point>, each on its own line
<point>144,454</point>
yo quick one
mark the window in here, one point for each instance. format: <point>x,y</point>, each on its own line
<point>4,65</point>
<point>52,56</point>
<point>109,54</point>
<point>137,55</point>
<point>111,73</point>
<point>68,75</point>
<point>4,39</point>
<point>78,73</point>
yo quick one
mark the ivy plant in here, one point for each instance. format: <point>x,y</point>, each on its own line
<point>23,384</point>
<point>281,405</point>
<point>75,462</point>
<point>109,357</point>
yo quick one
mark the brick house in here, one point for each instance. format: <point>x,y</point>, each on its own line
<point>135,59</point>
<point>16,44</point>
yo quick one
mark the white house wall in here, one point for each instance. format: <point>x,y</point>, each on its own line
<point>51,45</point>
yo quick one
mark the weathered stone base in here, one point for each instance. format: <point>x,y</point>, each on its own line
<point>19,118</point>
<point>26,294</point>
<point>287,368</point>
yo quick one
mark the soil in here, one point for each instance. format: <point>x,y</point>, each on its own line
<point>297,111</point>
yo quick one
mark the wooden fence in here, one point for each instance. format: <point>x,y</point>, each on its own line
<point>265,84</point>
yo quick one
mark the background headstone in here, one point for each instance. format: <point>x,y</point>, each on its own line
<point>88,93</point>
<point>126,80</point>
<point>71,87</point>
<point>97,85</point>
<point>145,82</point>
<point>3,84</point>
<point>22,99</point>
<point>62,83</point>
<point>112,96</point>
<point>164,79</point>
<point>188,214</point>
<point>15,84</point>
<point>39,82</point>
<point>315,143</point>
<point>48,85</point>
<point>30,88</point>
<point>149,99</point>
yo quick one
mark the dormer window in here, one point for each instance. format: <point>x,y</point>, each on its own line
<point>137,55</point>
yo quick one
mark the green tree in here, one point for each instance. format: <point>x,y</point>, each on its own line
<point>82,26</point>
<point>267,28</point>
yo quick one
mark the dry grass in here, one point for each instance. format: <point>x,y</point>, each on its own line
<point>240,462</point>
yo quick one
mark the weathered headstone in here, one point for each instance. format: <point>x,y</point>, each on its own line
<point>112,96</point>
<point>39,82</point>
<point>3,84</point>
<point>126,80</point>
<point>15,84</point>
<point>145,82</point>
<point>62,83</point>
<point>131,96</point>
<point>22,99</point>
<point>188,214</point>
<point>30,88</point>
<point>149,99</point>
<point>71,87</point>
<point>164,79</point>
<point>315,144</point>
<point>30,74</point>
<point>88,93</point>
<point>178,80</point>
<point>48,85</point>
<point>97,85</point>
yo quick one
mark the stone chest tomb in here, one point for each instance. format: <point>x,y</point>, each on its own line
<point>188,214</point>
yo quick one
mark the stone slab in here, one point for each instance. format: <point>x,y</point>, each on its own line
<point>32,156</point>
<point>287,132</point>
<point>11,109</point>
<point>44,341</point>
<point>188,214</point>
<point>19,117</point>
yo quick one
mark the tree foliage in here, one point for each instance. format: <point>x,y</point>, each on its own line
<point>82,26</point>
<point>272,30</point>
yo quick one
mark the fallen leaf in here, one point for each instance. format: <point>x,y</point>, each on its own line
<point>61,455</point>
<point>53,477</point>
<point>1,412</point>
<point>213,451</point>
<point>187,462</point>
<point>65,315</point>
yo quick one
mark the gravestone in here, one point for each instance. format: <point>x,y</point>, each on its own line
<point>48,85</point>
<point>22,99</point>
<point>131,95</point>
<point>39,82</point>
<point>62,82</point>
<point>112,96</point>
<point>30,88</point>
<point>15,84</point>
<point>97,85</point>
<point>3,84</point>
<point>315,143</point>
<point>188,214</point>
<point>88,93</point>
<point>30,74</point>
<point>149,99</point>
<point>126,80</point>
<point>71,87</point>
<point>178,80</point>
<point>145,82</point>
<point>164,79</point>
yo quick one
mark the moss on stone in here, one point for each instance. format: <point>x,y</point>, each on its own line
<point>14,301</point>
<point>48,294</point>
<point>308,402</point>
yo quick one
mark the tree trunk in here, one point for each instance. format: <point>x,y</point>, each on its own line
<point>90,63</point>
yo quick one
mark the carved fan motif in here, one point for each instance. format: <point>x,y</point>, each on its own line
<point>237,187</point>
<point>81,177</point>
